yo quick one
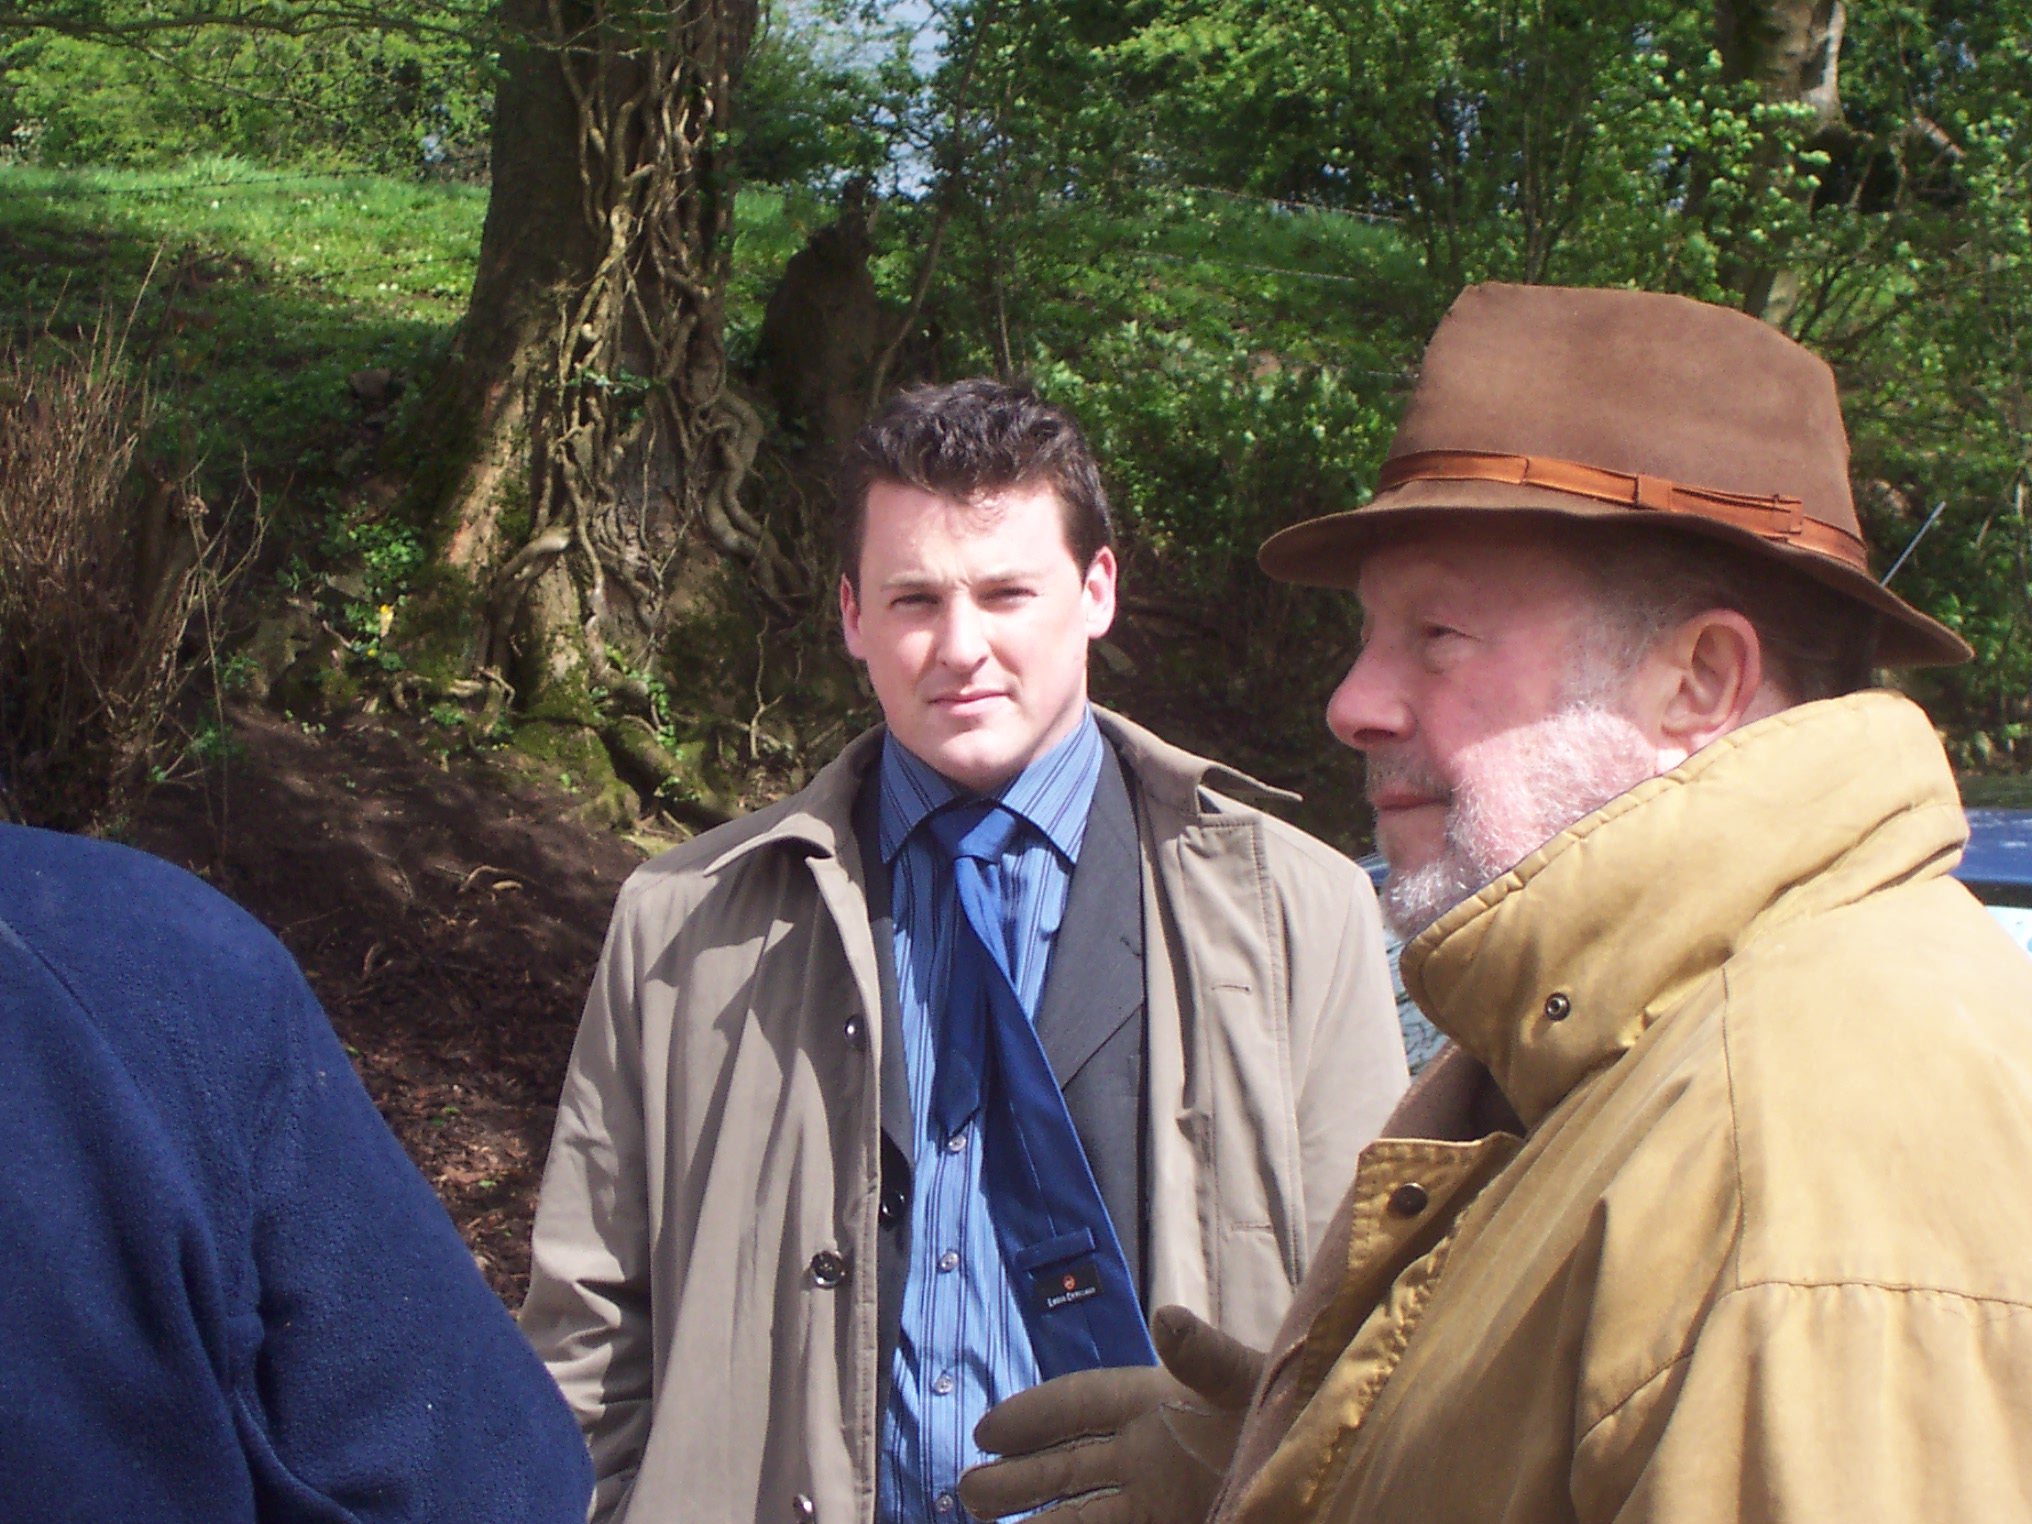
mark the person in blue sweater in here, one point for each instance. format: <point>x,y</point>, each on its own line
<point>225,1293</point>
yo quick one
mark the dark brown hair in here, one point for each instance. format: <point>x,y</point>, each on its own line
<point>964,440</point>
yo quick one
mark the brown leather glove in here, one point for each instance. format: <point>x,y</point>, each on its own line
<point>1142,1445</point>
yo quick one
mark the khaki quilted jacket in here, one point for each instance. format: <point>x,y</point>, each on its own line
<point>1756,1243</point>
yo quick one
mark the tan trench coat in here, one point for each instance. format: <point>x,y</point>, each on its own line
<point>1763,1250</point>
<point>703,1286</point>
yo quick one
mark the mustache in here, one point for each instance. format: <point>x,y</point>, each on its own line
<point>1391,770</point>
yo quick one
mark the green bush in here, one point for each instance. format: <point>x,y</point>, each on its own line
<point>381,100</point>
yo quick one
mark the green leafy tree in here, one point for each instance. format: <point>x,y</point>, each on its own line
<point>130,82</point>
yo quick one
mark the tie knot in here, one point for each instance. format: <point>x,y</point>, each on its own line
<point>980,829</point>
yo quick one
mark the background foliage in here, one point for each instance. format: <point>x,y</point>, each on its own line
<point>412,91</point>
<point>1224,229</point>
<point>1220,230</point>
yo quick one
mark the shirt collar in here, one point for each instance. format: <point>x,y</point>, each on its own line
<point>1054,793</point>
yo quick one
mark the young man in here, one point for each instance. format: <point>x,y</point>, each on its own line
<point>1717,1210</point>
<point>921,1085</point>
<point>229,1298</point>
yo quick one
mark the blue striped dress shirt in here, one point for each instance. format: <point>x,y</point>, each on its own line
<point>963,1346</point>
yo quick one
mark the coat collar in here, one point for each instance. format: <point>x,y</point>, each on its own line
<point>1174,776</point>
<point>819,818</point>
<point>1622,913</point>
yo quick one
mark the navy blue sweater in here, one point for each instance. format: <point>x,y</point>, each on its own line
<point>225,1293</point>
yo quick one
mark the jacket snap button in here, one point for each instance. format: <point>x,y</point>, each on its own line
<point>853,1031</point>
<point>803,1508</point>
<point>1408,1200</point>
<point>1557,1007</point>
<point>891,1210</point>
<point>827,1269</point>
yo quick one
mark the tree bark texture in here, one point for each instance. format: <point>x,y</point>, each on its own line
<point>1791,50</point>
<point>589,373</point>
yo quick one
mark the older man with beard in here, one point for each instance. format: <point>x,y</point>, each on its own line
<point>1716,1208</point>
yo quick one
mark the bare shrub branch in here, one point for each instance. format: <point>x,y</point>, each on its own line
<point>107,565</point>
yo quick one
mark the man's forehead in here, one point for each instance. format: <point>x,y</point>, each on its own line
<point>917,536</point>
<point>1516,560</point>
<point>981,507</point>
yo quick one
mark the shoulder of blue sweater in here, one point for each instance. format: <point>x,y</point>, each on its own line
<point>95,911</point>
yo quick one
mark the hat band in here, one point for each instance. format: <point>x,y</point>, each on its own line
<point>1777,518</point>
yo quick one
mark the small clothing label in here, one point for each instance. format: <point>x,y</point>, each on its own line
<point>1064,1285</point>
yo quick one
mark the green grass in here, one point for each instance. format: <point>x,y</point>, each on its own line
<point>1997,791</point>
<point>268,289</point>
<point>770,225</point>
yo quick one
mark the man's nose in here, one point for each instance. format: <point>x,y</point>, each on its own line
<point>963,635</point>
<point>1368,709</point>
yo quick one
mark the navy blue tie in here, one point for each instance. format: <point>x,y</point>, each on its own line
<point>1065,1264</point>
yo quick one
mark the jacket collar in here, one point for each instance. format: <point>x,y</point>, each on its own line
<point>1617,917</point>
<point>819,818</point>
<point>1175,776</point>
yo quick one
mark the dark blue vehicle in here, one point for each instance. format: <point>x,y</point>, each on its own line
<point>1997,867</point>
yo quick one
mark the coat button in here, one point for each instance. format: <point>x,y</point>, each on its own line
<point>891,1210</point>
<point>1408,1200</point>
<point>1557,1007</point>
<point>803,1509</point>
<point>856,1034</point>
<point>827,1269</point>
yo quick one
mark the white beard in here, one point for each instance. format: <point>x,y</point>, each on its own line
<point>1515,792</point>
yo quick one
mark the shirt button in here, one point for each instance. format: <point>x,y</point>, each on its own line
<point>950,1260</point>
<point>957,1143</point>
<point>943,1502</point>
<point>1408,1200</point>
<point>803,1508</point>
<point>855,1033</point>
<point>827,1269</point>
<point>943,1385</point>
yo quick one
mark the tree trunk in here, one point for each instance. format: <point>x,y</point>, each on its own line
<point>588,383</point>
<point>1791,50</point>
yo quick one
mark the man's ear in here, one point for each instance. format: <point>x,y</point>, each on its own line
<point>850,618</point>
<point>1700,682</point>
<point>1097,593</point>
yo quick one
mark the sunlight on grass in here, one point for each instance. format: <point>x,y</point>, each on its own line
<point>269,290</point>
<point>394,244</point>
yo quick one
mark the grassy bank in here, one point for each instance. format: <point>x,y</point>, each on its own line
<point>249,296</point>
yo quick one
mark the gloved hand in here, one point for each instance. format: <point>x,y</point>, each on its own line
<point>1141,1445</point>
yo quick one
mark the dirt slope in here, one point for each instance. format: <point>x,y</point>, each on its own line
<point>447,915</point>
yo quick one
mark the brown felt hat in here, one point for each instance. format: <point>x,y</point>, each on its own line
<point>1623,406</point>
